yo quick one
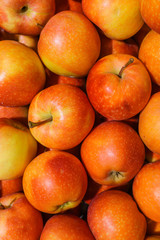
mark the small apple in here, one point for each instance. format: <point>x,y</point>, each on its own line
<point>25,16</point>
<point>118,86</point>
<point>69,44</point>
<point>17,148</point>
<point>60,116</point>
<point>19,220</point>
<point>55,181</point>
<point>10,186</point>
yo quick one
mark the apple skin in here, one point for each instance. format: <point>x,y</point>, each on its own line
<point>19,220</point>
<point>112,153</point>
<point>149,124</point>
<point>25,17</point>
<point>119,19</point>
<point>67,114</point>
<point>150,13</point>
<point>55,181</point>
<point>151,156</point>
<point>66,226</point>
<point>113,214</point>
<point>153,228</point>
<point>10,186</point>
<point>154,237</point>
<point>149,54</point>
<point>63,44</point>
<point>146,190</point>
<point>17,148</point>
<point>115,97</point>
<point>22,74</point>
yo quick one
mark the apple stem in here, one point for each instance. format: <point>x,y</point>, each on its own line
<point>36,124</point>
<point>131,60</point>
<point>40,26</point>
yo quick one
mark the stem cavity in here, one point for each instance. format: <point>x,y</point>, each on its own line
<point>131,60</point>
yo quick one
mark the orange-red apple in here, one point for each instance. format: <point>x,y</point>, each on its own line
<point>118,86</point>
<point>10,186</point>
<point>112,153</point>
<point>22,74</point>
<point>119,19</point>
<point>55,181</point>
<point>146,191</point>
<point>60,116</point>
<point>66,227</point>
<point>25,16</point>
<point>19,220</point>
<point>113,214</point>
<point>17,148</point>
<point>69,44</point>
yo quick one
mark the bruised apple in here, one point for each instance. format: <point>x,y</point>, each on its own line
<point>22,74</point>
<point>60,116</point>
<point>118,86</point>
<point>114,214</point>
<point>69,44</point>
<point>55,181</point>
<point>112,153</point>
<point>19,219</point>
<point>66,226</point>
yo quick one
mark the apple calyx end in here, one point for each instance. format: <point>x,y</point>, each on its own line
<point>115,175</point>
<point>3,207</point>
<point>36,124</point>
<point>24,9</point>
<point>131,60</point>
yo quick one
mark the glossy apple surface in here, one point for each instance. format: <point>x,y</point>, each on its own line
<point>65,45</point>
<point>10,186</point>
<point>55,181</point>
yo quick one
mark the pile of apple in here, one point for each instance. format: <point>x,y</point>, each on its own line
<point>79,120</point>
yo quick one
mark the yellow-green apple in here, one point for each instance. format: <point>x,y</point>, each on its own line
<point>22,74</point>
<point>19,219</point>
<point>17,113</point>
<point>114,214</point>
<point>66,226</point>
<point>69,44</point>
<point>55,181</point>
<point>10,186</point>
<point>149,124</point>
<point>17,148</point>
<point>150,13</point>
<point>60,116</point>
<point>118,86</point>
<point>112,153</point>
<point>119,19</point>
<point>25,16</point>
<point>146,192</point>
<point>149,54</point>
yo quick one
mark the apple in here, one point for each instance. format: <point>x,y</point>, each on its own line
<point>66,226</point>
<point>10,186</point>
<point>149,54</point>
<point>149,124</point>
<point>119,19</point>
<point>19,220</point>
<point>69,44</point>
<point>29,41</point>
<point>17,148</point>
<point>112,153</point>
<point>55,181</point>
<point>25,16</point>
<point>118,86</point>
<point>153,228</point>
<point>61,5</point>
<point>22,74</point>
<point>153,237</point>
<point>60,116</point>
<point>113,214</point>
<point>150,13</point>
<point>146,192</point>
<point>151,156</point>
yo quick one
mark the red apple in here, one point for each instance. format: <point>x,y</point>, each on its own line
<point>55,181</point>
<point>25,16</point>
<point>66,227</point>
<point>10,186</point>
<point>17,148</point>
<point>146,192</point>
<point>60,116</point>
<point>118,19</point>
<point>19,220</point>
<point>69,44</point>
<point>22,74</point>
<point>112,153</point>
<point>113,214</point>
<point>118,86</point>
